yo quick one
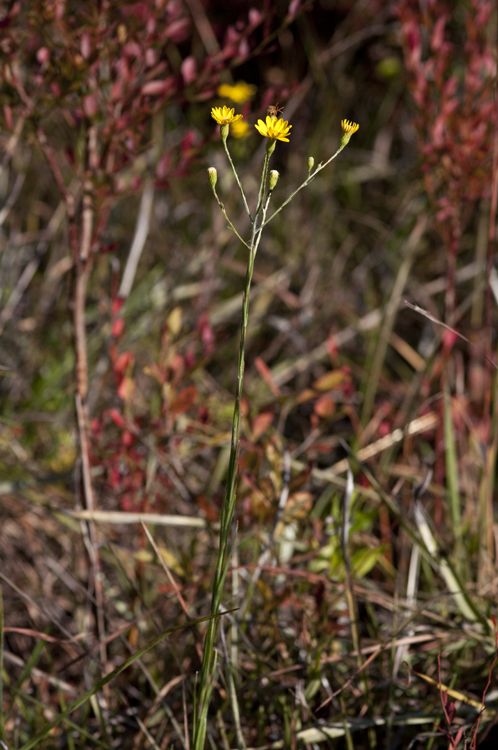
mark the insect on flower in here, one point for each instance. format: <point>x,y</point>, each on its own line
<point>274,110</point>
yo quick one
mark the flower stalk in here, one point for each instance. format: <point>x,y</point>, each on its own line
<point>273,129</point>
<point>228,505</point>
<point>246,205</point>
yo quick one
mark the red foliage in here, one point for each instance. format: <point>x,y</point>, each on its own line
<point>450,712</point>
<point>452,89</point>
<point>107,68</point>
<point>88,78</point>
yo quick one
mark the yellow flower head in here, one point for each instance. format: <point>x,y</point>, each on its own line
<point>348,128</point>
<point>275,129</point>
<point>239,93</point>
<point>224,115</point>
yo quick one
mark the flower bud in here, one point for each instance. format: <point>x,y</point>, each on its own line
<point>274,175</point>
<point>311,163</point>
<point>213,176</point>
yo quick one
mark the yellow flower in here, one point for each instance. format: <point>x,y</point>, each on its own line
<point>275,129</point>
<point>240,129</point>
<point>348,128</point>
<point>239,93</point>
<point>224,115</point>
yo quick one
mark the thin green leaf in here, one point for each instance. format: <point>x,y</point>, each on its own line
<point>105,680</point>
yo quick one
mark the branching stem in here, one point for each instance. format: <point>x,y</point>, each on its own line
<point>311,176</point>
<point>238,183</point>
<point>228,506</point>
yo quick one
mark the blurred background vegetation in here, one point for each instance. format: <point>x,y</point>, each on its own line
<point>401,565</point>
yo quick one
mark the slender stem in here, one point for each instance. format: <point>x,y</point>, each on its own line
<point>270,148</point>
<point>203,694</point>
<point>232,692</point>
<point>82,272</point>
<point>222,206</point>
<point>311,176</point>
<point>238,182</point>
<point>234,446</point>
<point>228,506</point>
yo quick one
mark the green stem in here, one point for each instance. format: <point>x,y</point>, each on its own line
<point>270,148</point>
<point>228,506</point>
<point>310,177</point>
<point>222,206</point>
<point>238,181</point>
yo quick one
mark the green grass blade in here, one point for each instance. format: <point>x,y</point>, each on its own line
<point>78,728</point>
<point>452,470</point>
<point>33,742</point>
<point>30,664</point>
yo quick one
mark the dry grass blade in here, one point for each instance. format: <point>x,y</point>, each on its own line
<point>453,330</point>
<point>455,588</point>
<point>415,427</point>
<point>456,694</point>
<point>122,517</point>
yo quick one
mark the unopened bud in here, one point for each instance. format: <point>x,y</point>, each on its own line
<point>274,175</point>
<point>213,176</point>
<point>311,163</point>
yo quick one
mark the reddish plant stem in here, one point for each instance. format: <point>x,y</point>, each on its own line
<point>83,248</point>
<point>489,265</point>
<point>82,273</point>
<point>490,376</point>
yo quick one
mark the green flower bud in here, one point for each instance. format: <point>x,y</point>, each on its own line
<point>274,175</point>
<point>311,164</point>
<point>213,176</point>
